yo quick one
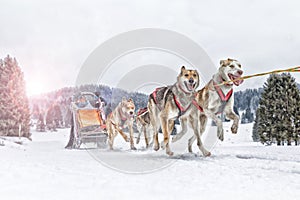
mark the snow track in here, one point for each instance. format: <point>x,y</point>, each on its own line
<point>237,169</point>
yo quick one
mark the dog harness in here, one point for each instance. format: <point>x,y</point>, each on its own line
<point>182,110</point>
<point>142,111</point>
<point>224,98</point>
<point>123,119</point>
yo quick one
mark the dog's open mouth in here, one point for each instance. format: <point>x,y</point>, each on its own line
<point>236,79</point>
<point>131,114</point>
<point>190,86</point>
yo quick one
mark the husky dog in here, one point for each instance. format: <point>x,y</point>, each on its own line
<point>122,116</point>
<point>168,103</point>
<point>143,125</point>
<point>214,99</point>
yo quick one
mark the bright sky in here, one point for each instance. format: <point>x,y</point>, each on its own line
<point>51,38</point>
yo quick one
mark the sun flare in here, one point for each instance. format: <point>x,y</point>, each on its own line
<point>34,88</point>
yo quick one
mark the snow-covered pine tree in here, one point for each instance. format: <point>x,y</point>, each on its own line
<point>14,106</point>
<point>276,114</point>
<point>265,112</point>
<point>293,104</point>
<point>297,124</point>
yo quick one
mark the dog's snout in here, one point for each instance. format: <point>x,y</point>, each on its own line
<point>191,80</point>
<point>131,112</point>
<point>240,72</point>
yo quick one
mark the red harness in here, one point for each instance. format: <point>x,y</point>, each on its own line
<point>142,111</point>
<point>123,118</point>
<point>154,94</point>
<point>179,106</point>
<point>221,94</point>
<point>224,98</point>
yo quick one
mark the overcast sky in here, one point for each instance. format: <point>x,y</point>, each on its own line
<point>51,39</point>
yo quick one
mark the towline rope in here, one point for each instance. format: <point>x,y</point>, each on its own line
<point>293,69</point>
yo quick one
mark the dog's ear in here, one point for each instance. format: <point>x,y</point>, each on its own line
<point>124,100</point>
<point>198,82</point>
<point>130,100</point>
<point>182,69</point>
<point>223,62</point>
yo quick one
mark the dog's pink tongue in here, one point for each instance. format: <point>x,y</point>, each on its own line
<point>190,87</point>
<point>238,82</point>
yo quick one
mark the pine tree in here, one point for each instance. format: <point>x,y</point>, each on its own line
<point>57,116</point>
<point>41,124</point>
<point>50,122</point>
<point>14,105</point>
<point>276,118</point>
<point>35,112</point>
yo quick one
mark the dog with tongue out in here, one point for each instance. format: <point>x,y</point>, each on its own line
<point>216,98</point>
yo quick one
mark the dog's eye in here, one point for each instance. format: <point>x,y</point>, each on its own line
<point>232,66</point>
<point>194,75</point>
<point>186,75</point>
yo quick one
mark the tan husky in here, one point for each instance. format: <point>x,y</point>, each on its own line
<point>214,99</point>
<point>168,103</point>
<point>122,116</point>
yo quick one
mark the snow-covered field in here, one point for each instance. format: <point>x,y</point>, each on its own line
<point>238,169</point>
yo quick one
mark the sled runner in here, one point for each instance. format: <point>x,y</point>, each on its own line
<point>87,123</point>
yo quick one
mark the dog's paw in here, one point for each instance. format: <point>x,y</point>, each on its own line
<point>127,139</point>
<point>206,153</point>
<point>137,140</point>
<point>220,134</point>
<point>156,147</point>
<point>190,149</point>
<point>162,145</point>
<point>175,138</point>
<point>132,147</point>
<point>170,153</point>
<point>234,129</point>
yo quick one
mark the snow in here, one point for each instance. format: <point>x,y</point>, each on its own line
<point>238,168</point>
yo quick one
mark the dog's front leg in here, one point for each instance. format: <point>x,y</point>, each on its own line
<point>231,115</point>
<point>131,135</point>
<point>139,135</point>
<point>146,136</point>
<point>165,126</point>
<point>121,133</point>
<point>218,121</point>
<point>203,122</point>
<point>195,125</point>
<point>183,123</point>
<point>154,123</point>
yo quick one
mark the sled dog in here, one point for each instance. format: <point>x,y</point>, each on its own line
<point>215,99</point>
<point>168,103</point>
<point>143,125</point>
<point>122,116</point>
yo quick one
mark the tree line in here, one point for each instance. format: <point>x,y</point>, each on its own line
<point>52,110</point>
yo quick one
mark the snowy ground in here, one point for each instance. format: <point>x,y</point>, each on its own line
<point>238,168</point>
